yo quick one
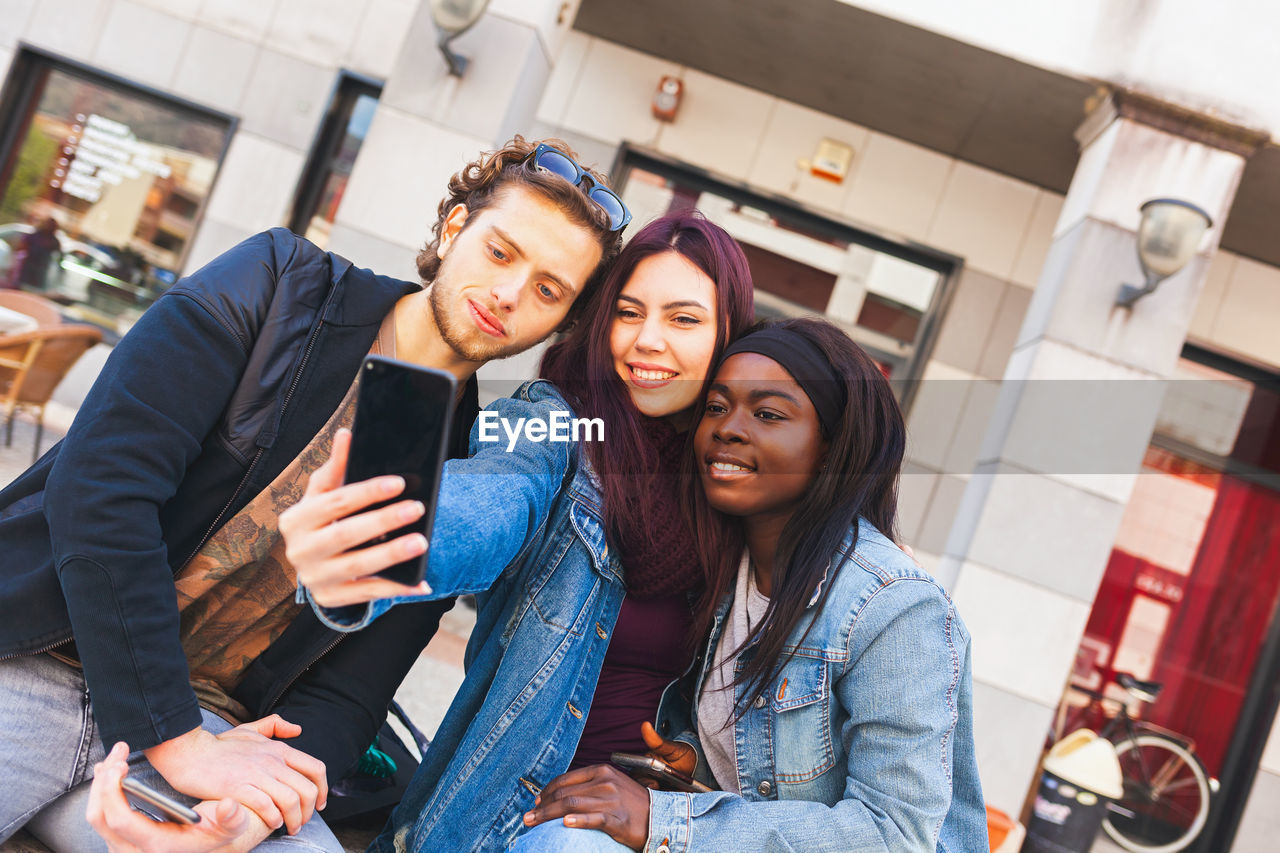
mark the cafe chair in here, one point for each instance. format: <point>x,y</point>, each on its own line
<point>43,311</point>
<point>31,366</point>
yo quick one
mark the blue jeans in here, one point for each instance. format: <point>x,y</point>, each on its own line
<point>554,837</point>
<point>49,744</point>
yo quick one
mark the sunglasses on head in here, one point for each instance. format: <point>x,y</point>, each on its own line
<point>556,162</point>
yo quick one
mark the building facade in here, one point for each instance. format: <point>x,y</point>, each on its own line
<point>957,184</point>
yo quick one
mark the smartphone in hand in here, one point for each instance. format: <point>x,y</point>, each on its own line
<point>667,775</point>
<point>171,809</point>
<point>403,416</point>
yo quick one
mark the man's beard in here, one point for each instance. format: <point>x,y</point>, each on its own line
<point>469,343</point>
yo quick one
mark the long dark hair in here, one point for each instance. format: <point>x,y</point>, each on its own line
<point>582,364</point>
<point>858,480</point>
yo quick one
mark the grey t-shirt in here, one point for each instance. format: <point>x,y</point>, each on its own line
<point>715,704</point>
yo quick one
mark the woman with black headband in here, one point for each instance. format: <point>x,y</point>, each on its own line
<point>832,705</point>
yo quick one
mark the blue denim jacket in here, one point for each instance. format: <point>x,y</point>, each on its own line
<point>865,741</point>
<point>524,531</point>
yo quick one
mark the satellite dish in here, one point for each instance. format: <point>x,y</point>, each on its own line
<point>453,18</point>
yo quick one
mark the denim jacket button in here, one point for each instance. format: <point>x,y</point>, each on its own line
<point>662,848</point>
<point>765,788</point>
<point>759,703</point>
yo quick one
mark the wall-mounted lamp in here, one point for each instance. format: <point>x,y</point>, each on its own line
<point>1168,236</point>
<point>453,18</point>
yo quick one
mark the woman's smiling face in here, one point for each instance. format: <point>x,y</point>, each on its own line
<point>759,444</point>
<point>664,333</point>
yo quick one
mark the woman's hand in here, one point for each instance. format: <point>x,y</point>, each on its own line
<point>321,541</point>
<point>600,797</point>
<point>676,755</point>
<point>225,826</point>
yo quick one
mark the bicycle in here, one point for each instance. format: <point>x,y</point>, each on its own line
<point>1166,789</point>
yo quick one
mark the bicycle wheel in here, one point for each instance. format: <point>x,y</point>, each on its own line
<point>1166,796</point>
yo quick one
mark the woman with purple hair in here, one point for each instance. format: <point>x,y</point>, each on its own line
<point>585,570</point>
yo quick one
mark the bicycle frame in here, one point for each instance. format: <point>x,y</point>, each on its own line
<point>1146,782</point>
<point>1134,727</point>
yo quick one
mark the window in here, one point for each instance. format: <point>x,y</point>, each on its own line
<point>122,170</point>
<point>324,179</point>
<point>1191,594</point>
<point>885,295</point>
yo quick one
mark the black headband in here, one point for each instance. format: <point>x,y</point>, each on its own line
<point>806,363</point>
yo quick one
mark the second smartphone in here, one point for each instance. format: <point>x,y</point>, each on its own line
<point>403,416</point>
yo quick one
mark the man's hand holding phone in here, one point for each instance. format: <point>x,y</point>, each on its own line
<point>350,544</point>
<point>322,529</point>
<point>225,825</point>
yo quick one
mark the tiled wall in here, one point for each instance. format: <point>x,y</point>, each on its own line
<point>598,96</point>
<point>1239,308</point>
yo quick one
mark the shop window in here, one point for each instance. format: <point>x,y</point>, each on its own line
<point>887,296</point>
<point>123,171</point>
<point>1191,594</point>
<point>324,179</point>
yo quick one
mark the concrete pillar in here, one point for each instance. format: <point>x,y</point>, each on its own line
<point>1076,410</point>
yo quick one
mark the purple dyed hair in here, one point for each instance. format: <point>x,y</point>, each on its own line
<point>582,366</point>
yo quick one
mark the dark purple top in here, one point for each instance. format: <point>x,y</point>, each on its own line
<point>648,651</point>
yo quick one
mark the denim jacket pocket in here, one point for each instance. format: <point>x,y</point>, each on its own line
<point>564,576</point>
<point>591,532</point>
<point>801,704</point>
<point>551,589</point>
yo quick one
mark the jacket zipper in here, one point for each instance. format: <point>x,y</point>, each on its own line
<point>31,652</point>
<point>293,386</point>
<point>284,687</point>
<point>253,464</point>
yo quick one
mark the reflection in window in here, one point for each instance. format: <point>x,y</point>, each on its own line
<point>328,169</point>
<point>1192,588</point>
<point>124,174</point>
<point>880,293</point>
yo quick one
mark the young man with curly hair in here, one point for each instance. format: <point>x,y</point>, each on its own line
<point>146,595</point>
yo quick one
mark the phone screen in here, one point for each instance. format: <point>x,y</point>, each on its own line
<point>403,415</point>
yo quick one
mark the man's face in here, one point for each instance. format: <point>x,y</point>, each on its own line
<point>507,280</point>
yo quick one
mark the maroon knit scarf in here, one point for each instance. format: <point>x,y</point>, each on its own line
<point>662,559</point>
